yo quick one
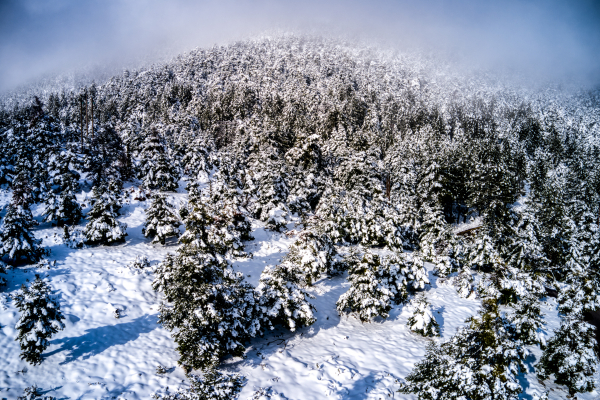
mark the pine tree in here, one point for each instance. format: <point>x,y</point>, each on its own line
<point>161,221</point>
<point>40,319</point>
<point>207,305</point>
<point>528,321</point>
<point>571,356</point>
<point>434,233</point>
<point>480,362</point>
<point>103,227</point>
<point>314,254</point>
<point>422,320</point>
<point>2,271</point>
<point>212,385</point>
<point>376,283</point>
<point>281,298</point>
<point>156,171</point>
<point>464,283</point>
<point>61,204</point>
<point>17,241</point>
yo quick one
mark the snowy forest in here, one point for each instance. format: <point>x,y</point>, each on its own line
<point>389,174</point>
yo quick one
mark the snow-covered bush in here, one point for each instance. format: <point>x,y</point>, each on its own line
<point>571,357</point>
<point>212,385</point>
<point>103,227</point>
<point>376,283</point>
<point>281,298</point>
<point>422,320</point>
<point>73,237</point>
<point>208,307</point>
<point>481,361</point>
<point>161,221</point>
<point>33,393</point>
<point>40,319</point>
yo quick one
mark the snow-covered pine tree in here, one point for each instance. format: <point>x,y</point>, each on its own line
<point>218,230</point>
<point>422,320</point>
<point>106,159</point>
<point>435,233</point>
<point>212,385</point>
<point>528,321</point>
<point>208,307</point>
<point>62,205</point>
<point>18,244</point>
<point>571,356</point>
<point>2,271</point>
<point>62,208</point>
<point>40,319</point>
<point>314,254</point>
<point>281,298</point>
<point>161,221</point>
<point>155,169</point>
<point>196,149</point>
<point>103,226</point>
<point>270,193</point>
<point>464,283</point>
<point>481,361</point>
<point>376,283</point>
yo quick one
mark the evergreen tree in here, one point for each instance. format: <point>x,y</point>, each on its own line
<point>212,385</point>
<point>161,221</point>
<point>156,170</point>
<point>107,161</point>
<point>40,319</point>
<point>18,244</point>
<point>480,362</point>
<point>207,305</point>
<point>2,271</point>
<point>434,233</point>
<point>282,298</point>
<point>422,320</point>
<point>103,227</point>
<point>571,356</point>
<point>528,321</point>
<point>61,204</point>
<point>314,254</point>
<point>376,283</point>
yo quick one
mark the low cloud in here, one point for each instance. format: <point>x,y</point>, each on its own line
<point>544,39</point>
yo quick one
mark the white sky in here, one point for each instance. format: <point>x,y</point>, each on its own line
<point>545,38</point>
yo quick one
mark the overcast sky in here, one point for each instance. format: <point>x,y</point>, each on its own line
<point>543,38</point>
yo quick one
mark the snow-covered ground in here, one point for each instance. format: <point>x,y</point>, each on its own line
<point>98,356</point>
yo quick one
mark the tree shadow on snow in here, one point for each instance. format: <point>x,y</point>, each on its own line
<point>96,340</point>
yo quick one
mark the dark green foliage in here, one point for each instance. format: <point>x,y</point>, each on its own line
<point>212,385</point>
<point>40,319</point>
<point>571,356</point>
<point>103,227</point>
<point>17,242</point>
<point>156,171</point>
<point>207,306</point>
<point>480,362</point>
<point>161,221</point>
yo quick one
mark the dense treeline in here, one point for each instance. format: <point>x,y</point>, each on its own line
<point>367,149</point>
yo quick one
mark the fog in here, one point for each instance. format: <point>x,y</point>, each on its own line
<point>548,40</point>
